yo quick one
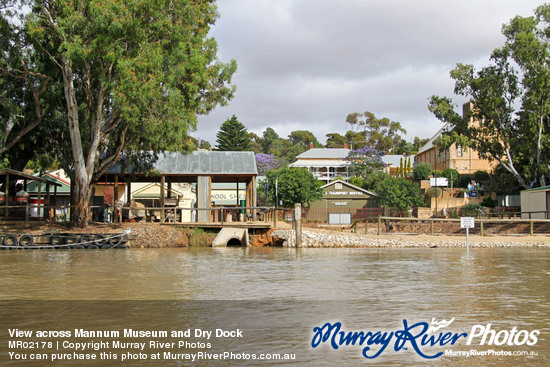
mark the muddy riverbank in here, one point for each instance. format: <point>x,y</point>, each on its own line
<point>154,235</point>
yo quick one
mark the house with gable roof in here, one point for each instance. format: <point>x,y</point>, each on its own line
<point>342,202</point>
<point>327,164</point>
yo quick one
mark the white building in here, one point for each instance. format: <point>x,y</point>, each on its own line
<point>325,164</point>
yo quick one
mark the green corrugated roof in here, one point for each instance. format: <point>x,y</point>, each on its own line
<point>32,187</point>
<point>539,188</point>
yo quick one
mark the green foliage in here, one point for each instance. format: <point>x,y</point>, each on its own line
<point>205,144</point>
<point>4,163</point>
<point>422,171</point>
<point>356,139</point>
<point>26,90</point>
<point>470,210</point>
<point>419,143</point>
<point>373,179</point>
<point>364,161</point>
<point>305,137</point>
<point>452,213</point>
<point>127,77</point>
<point>381,134</point>
<point>399,193</point>
<point>404,147</point>
<point>451,172</point>
<point>294,185</point>
<point>357,181</point>
<point>198,237</point>
<point>489,202</point>
<point>482,176</point>
<point>233,136</point>
<point>335,140</point>
<point>270,142</point>
<point>465,180</point>
<point>512,99</point>
<point>504,182</point>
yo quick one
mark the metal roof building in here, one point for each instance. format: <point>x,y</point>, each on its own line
<point>215,164</point>
<point>200,167</point>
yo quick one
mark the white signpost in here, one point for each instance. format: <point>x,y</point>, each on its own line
<point>467,222</point>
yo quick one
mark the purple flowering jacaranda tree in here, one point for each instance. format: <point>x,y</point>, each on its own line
<point>266,162</point>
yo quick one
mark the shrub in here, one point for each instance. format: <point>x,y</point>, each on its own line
<point>357,181</point>
<point>470,210</point>
<point>374,179</point>
<point>422,171</point>
<point>482,176</point>
<point>465,180</point>
<point>399,193</point>
<point>452,213</point>
<point>489,203</point>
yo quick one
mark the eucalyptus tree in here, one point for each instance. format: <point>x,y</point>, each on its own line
<point>135,75</point>
<point>381,134</point>
<point>509,121</point>
<point>23,87</point>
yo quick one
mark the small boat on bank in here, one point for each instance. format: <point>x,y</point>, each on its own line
<point>64,241</point>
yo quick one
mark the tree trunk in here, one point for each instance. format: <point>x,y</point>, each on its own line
<point>82,174</point>
<point>81,199</point>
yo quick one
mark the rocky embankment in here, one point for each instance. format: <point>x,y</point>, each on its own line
<point>312,238</point>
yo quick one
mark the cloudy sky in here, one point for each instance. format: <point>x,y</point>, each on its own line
<point>307,64</point>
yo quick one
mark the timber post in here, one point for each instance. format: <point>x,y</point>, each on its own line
<point>481,227</point>
<point>162,196</point>
<point>298,222</point>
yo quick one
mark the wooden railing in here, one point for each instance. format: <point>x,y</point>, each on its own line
<point>481,224</point>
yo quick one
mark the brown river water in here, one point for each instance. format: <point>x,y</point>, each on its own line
<point>276,301</point>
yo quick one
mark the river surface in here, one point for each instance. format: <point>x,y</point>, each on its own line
<point>277,296</point>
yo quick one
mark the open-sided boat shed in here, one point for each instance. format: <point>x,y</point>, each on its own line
<point>18,207</point>
<point>202,168</point>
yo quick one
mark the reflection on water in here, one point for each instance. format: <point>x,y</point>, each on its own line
<point>375,288</point>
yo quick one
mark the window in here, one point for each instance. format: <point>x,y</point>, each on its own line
<point>338,186</point>
<point>459,150</point>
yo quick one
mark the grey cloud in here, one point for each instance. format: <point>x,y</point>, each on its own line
<point>306,64</point>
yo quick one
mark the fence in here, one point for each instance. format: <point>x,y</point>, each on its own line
<point>107,214</point>
<point>31,212</point>
<point>321,215</point>
<point>435,226</point>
